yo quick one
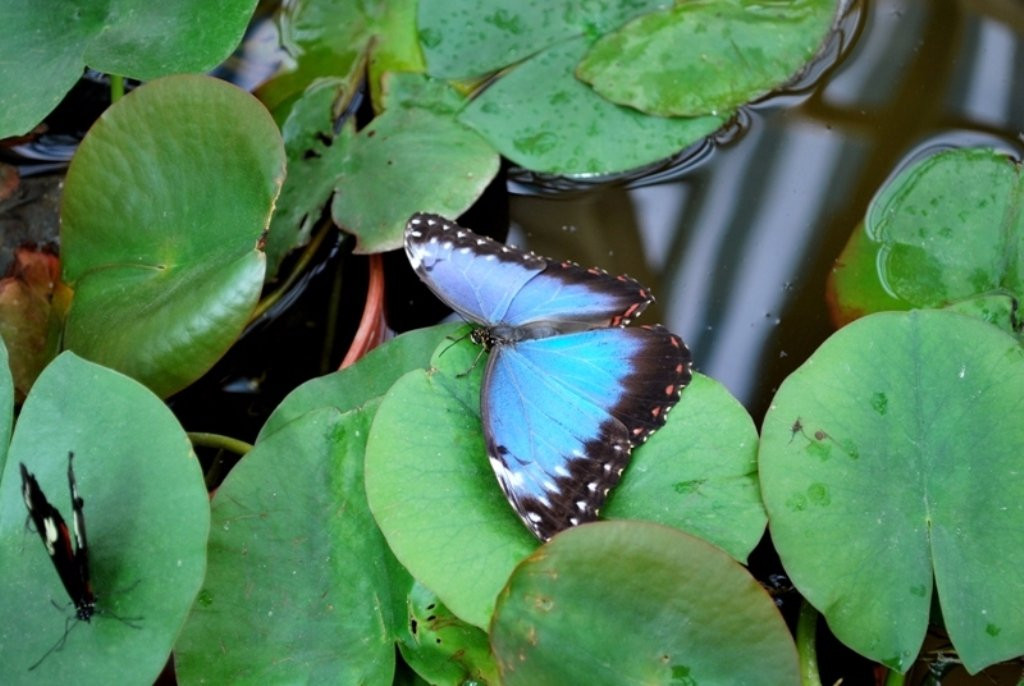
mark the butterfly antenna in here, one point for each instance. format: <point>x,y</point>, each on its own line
<point>69,624</point>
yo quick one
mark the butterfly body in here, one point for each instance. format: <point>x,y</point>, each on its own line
<point>67,548</point>
<point>567,391</point>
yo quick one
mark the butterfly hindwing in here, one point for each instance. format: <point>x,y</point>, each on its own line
<point>561,415</point>
<point>488,282</point>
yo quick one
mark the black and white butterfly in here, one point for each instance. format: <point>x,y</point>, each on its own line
<point>569,390</point>
<point>67,548</point>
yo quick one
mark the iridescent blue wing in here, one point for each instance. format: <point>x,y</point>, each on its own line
<point>490,283</point>
<point>561,415</point>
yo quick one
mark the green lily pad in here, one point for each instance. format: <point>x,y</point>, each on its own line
<point>891,458</point>
<point>371,377</point>
<point>542,118</point>
<point>441,647</point>
<point>160,239</point>
<point>299,582</point>
<point>435,496</point>
<point>639,603</point>
<point>147,517</point>
<point>708,484</point>
<point>946,230</point>
<point>706,57</point>
<point>409,159</point>
<point>464,39</point>
<point>45,47</point>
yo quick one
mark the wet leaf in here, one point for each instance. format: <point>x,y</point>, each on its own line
<point>542,118</point>
<point>29,323</point>
<point>708,56</point>
<point>638,603</point>
<point>464,39</point>
<point>945,231</point>
<point>893,456</point>
<point>161,239</point>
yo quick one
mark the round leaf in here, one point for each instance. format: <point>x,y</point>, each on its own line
<point>707,57</point>
<point>468,38</point>
<point>431,487</point>
<point>892,455</point>
<point>147,518</point>
<point>542,118</point>
<point>638,603</point>
<point>699,472</point>
<point>45,47</point>
<point>297,567</point>
<point>408,160</point>
<point>160,238</point>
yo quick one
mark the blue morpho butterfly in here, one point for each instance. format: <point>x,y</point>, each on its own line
<point>567,392</point>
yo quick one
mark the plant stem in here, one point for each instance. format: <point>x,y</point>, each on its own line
<point>806,647</point>
<point>116,87</point>
<point>209,440</point>
<point>893,678</point>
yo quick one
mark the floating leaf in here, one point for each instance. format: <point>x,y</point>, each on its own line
<point>639,603</point>
<point>946,230</point>
<point>409,159</point>
<point>707,56</point>
<point>297,568</point>
<point>431,488</point>
<point>160,239</point>
<point>468,38</point>
<point>542,118</point>
<point>892,456</point>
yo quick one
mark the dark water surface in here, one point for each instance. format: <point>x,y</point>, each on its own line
<point>738,247</point>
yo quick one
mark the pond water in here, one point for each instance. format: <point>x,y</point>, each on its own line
<point>738,246</point>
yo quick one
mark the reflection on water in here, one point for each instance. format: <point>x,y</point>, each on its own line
<point>738,246</point>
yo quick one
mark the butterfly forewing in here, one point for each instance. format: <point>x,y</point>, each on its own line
<point>490,283</point>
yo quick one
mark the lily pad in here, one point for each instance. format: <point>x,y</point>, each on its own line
<point>639,603</point>
<point>160,240</point>
<point>436,498</point>
<point>891,460</point>
<point>463,39</point>
<point>147,517</point>
<point>45,47</point>
<point>946,230</point>
<point>299,583</point>
<point>540,116</point>
<point>370,378</point>
<point>706,57</point>
<point>410,159</point>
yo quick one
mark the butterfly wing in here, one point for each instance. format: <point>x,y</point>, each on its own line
<point>490,283</point>
<point>561,415</point>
